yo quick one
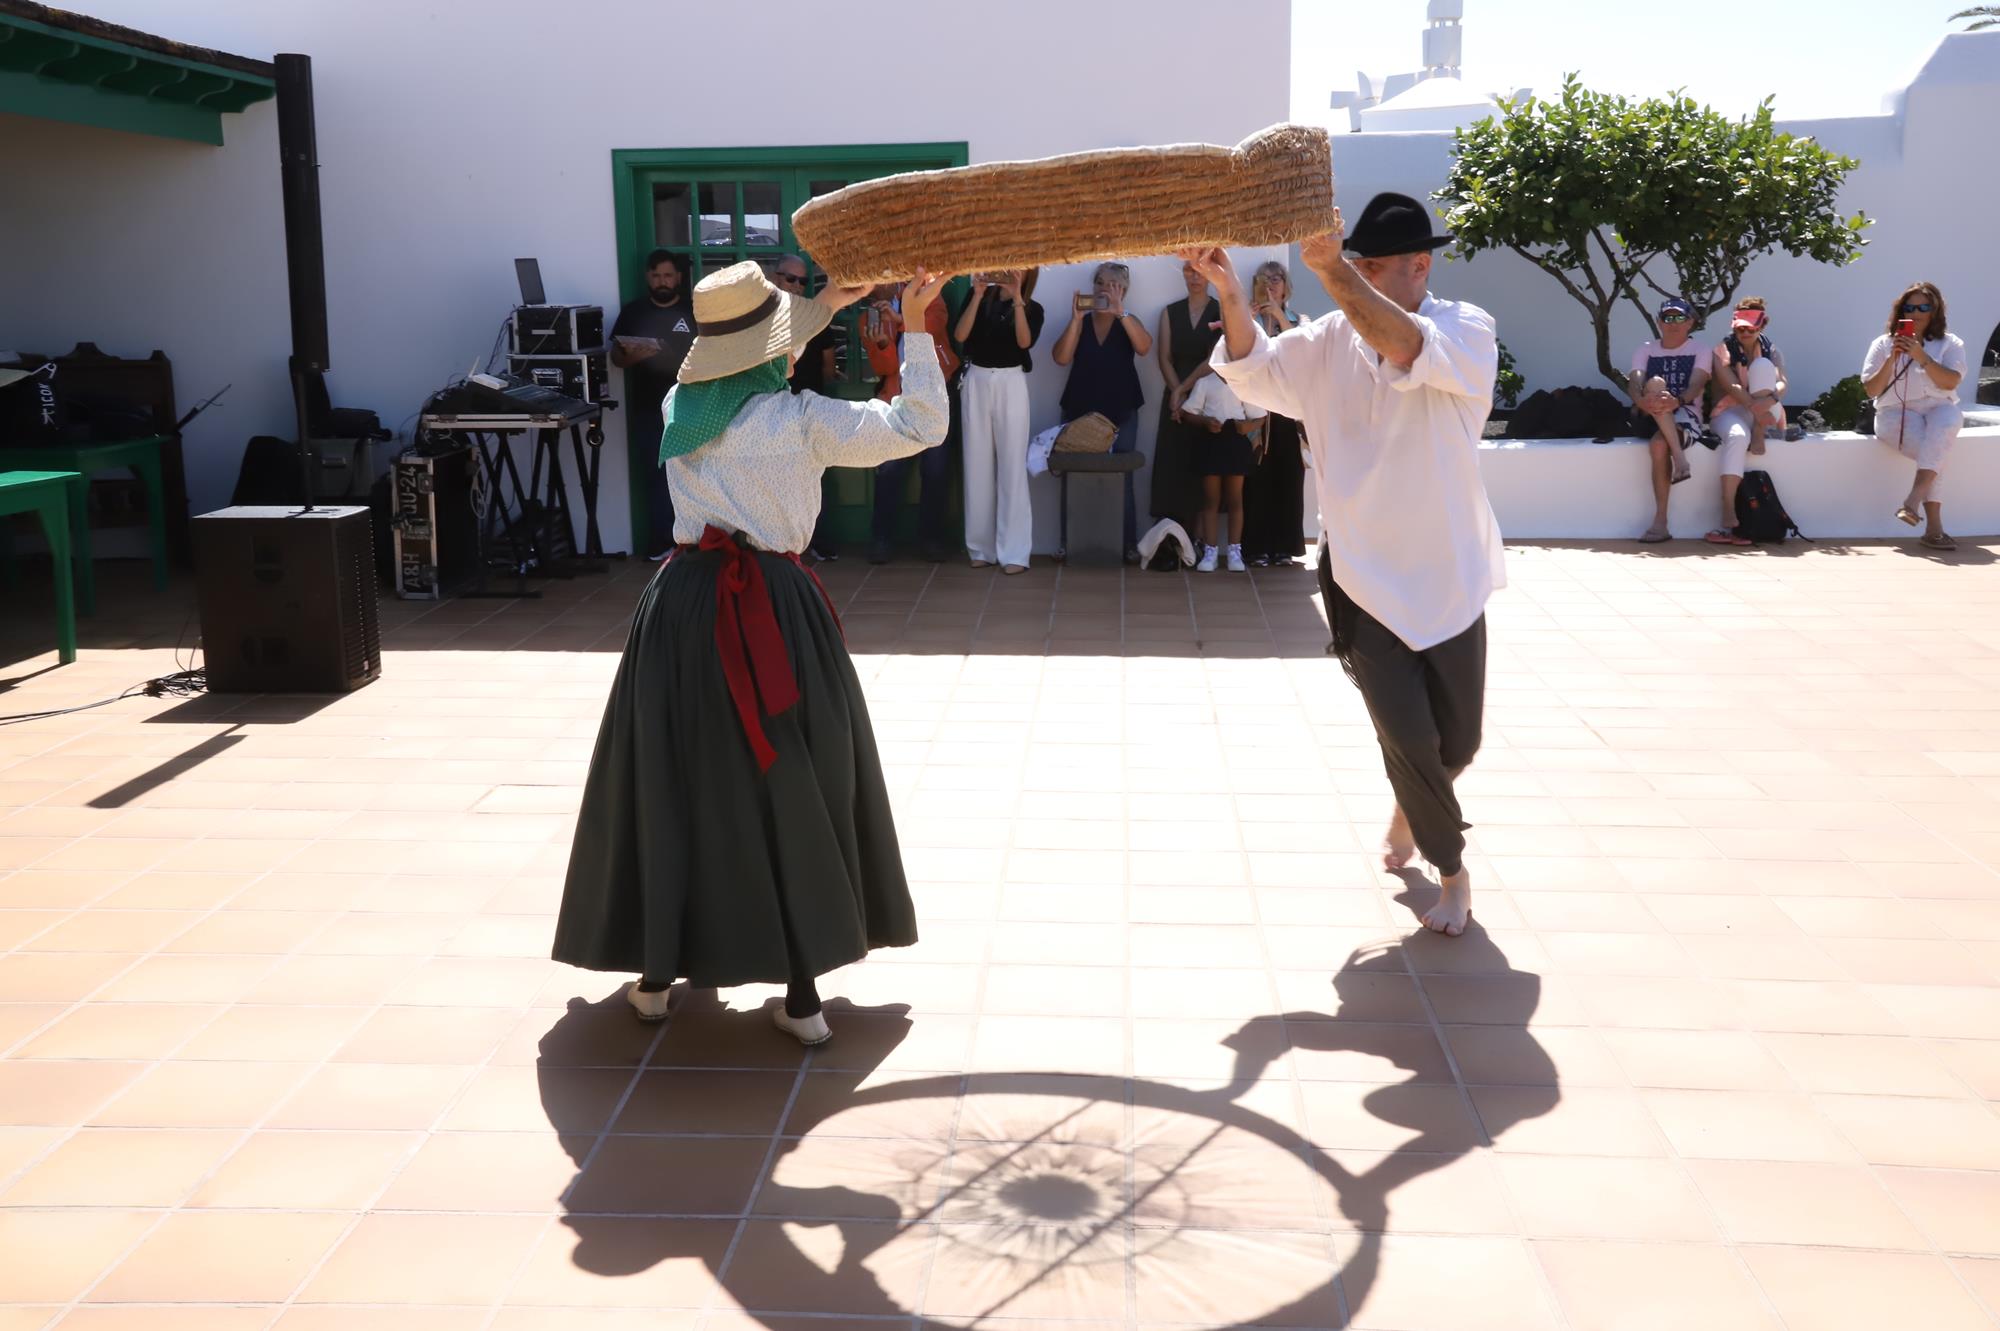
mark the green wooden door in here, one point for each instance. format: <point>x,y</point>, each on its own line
<point>716,207</point>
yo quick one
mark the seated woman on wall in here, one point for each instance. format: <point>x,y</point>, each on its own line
<point>1750,392</point>
<point>1102,346</point>
<point>1913,371</point>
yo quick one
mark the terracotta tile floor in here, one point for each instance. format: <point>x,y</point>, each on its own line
<point>279,1048</point>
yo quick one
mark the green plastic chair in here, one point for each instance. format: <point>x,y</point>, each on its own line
<point>53,496</point>
<point>142,457</point>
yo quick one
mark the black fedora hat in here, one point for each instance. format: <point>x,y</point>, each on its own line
<point>1392,224</point>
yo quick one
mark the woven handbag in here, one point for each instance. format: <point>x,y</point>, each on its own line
<point>1274,188</point>
<point>1087,434</point>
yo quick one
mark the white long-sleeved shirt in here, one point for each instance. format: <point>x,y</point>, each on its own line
<point>761,476</point>
<point>1407,528</point>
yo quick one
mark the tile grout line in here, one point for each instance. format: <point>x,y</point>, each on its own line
<point>560,1209</point>
<point>167,1213</point>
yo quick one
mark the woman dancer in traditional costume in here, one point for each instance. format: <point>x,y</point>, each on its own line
<point>735,826</point>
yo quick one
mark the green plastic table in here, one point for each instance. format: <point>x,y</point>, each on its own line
<point>53,495</point>
<point>142,456</point>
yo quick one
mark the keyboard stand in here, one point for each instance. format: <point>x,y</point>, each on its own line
<point>534,523</point>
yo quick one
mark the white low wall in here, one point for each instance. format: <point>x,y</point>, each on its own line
<point>1835,486</point>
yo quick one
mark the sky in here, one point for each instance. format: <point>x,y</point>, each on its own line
<point>1830,58</point>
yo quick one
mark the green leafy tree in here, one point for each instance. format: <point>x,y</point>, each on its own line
<point>1594,189</point>
<point>1983,16</point>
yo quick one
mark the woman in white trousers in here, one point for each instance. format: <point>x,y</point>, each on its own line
<point>997,330</point>
<point>1913,371</point>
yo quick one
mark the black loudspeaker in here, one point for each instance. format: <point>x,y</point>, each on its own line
<point>288,600</point>
<point>305,252</point>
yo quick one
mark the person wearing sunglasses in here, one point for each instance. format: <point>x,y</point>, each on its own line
<point>1668,382</point>
<point>814,369</point>
<point>1913,371</point>
<point>1750,376</point>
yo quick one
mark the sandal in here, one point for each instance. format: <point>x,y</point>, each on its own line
<point>1909,515</point>
<point>1655,535</point>
<point>1680,471</point>
<point>1937,542</point>
<point>1727,536</point>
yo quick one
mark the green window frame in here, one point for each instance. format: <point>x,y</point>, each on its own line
<point>737,204</point>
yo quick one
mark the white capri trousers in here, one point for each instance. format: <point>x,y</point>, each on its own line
<point>1733,425</point>
<point>1923,432</point>
<point>999,513</point>
<point>1733,422</point>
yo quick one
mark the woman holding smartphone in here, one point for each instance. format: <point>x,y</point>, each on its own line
<point>1913,371</point>
<point>1102,346</point>
<point>1274,493</point>
<point>997,330</point>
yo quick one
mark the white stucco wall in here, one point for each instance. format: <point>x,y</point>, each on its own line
<point>1928,177</point>
<point>457,135</point>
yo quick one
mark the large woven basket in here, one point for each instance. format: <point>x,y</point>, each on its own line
<point>1274,188</point>
<point>1093,433</point>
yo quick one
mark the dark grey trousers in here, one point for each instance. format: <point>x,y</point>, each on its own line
<point>1427,707</point>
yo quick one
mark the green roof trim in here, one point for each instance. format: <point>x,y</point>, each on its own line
<point>60,66</point>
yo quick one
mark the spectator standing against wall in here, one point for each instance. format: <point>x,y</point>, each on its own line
<point>649,340</point>
<point>882,340</point>
<point>814,369</point>
<point>1274,492</point>
<point>1232,432</point>
<point>1188,332</point>
<point>997,331</point>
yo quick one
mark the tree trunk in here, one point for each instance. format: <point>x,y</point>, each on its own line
<point>1600,320</point>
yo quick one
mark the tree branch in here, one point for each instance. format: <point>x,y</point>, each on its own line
<point>1558,274</point>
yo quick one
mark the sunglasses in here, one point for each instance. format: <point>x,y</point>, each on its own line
<point>1673,318</point>
<point>1924,308</point>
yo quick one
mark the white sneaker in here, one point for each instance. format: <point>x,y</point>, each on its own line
<point>1236,559</point>
<point>650,1007</point>
<point>1207,564</point>
<point>809,1031</point>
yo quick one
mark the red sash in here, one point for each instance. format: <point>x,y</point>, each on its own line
<point>755,661</point>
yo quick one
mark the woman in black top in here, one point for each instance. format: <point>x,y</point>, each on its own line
<point>1102,346</point>
<point>1274,493</point>
<point>1189,330</point>
<point>997,331</point>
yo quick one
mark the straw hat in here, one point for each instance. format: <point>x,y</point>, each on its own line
<point>741,321</point>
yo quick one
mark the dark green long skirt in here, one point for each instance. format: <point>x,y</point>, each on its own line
<point>689,863</point>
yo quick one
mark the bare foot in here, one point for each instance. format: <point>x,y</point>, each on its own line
<point>1398,846</point>
<point>1454,906</point>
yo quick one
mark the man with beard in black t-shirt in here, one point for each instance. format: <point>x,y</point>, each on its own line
<point>649,341</point>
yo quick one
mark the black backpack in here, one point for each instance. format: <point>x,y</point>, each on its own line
<point>1760,514</point>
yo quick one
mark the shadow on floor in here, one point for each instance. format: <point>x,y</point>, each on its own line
<point>1051,1194</point>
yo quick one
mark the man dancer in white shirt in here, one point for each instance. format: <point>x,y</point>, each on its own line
<point>1394,388</point>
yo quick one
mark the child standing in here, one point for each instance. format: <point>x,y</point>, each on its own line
<point>1222,459</point>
